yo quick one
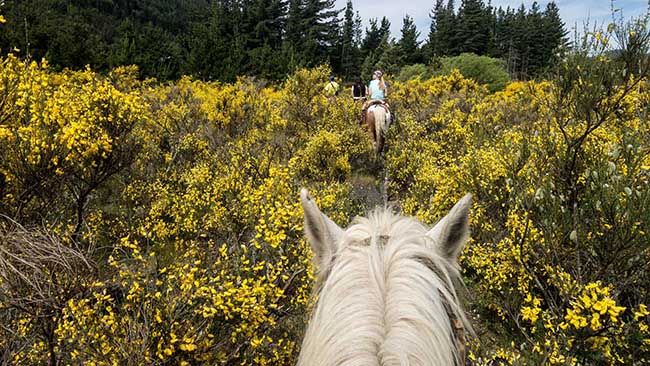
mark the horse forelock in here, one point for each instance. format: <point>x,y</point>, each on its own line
<point>385,299</point>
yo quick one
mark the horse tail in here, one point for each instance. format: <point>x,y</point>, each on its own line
<point>371,122</point>
<point>381,122</point>
<point>380,127</point>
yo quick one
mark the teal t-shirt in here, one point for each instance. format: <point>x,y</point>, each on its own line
<point>375,91</point>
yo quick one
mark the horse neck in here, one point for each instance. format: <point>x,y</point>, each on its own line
<point>382,304</point>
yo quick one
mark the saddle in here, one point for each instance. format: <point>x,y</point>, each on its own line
<point>370,103</point>
<point>378,102</point>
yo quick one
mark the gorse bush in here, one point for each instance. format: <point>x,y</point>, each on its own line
<point>560,170</point>
<point>184,198</point>
<point>163,222</point>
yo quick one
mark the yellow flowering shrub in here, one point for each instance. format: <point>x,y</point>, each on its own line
<point>558,224</point>
<point>190,207</point>
<point>62,135</point>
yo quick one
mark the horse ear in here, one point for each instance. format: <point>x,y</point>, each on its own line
<point>452,231</point>
<point>322,233</point>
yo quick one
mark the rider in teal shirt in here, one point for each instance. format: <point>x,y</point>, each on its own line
<point>377,94</point>
<point>377,87</point>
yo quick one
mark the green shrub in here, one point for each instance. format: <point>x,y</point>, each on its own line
<point>409,72</point>
<point>483,69</point>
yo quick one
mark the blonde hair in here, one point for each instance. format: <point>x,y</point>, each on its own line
<point>380,76</point>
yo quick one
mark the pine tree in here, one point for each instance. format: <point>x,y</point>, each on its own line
<point>348,47</point>
<point>491,19</point>
<point>553,35</point>
<point>321,30</point>
<point>264,46</point>
<point>473,27</point>
<point>268,23</point>
<point>384,28</point>
<point>501,35</point>
<point>374,45</point>
<point>390,60</point>
<point>535,37</point>
<point>207,41</point>
<point>408,45</point>
<point>294,33</point>
<point>434,40</point>
<point>518,52</point>
<point>358,32</point>
<point>371,46</point>
<point>446,30</point>
<point>372,39</point>
<point>375,35</point>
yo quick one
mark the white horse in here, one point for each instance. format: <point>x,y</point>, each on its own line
<point>385,289</point>
<point>378,120</point>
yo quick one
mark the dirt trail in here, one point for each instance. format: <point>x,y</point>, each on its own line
<point>371,187</point>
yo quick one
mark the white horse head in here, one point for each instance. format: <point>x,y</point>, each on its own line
<point>385,289</point>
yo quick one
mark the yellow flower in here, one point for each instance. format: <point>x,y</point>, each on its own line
<point>595,321</point>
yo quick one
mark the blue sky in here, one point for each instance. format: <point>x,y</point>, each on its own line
<point>573,12</point>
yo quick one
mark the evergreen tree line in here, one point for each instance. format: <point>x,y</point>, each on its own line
<point>528,40</point>
<point>220,40</point>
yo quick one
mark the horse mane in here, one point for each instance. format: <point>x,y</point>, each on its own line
<point>386,298</point>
